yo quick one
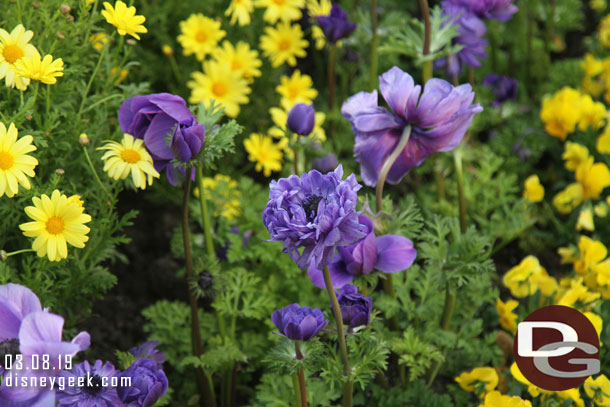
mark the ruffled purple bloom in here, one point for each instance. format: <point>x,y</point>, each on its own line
<point>156,118</point>
<point>325,164</point>
<point>149,350</point>
<point>315,212</point>
<point>501,10</point>
<point>387,253</point>
<point>98,390</point>
<point>299,324</point>
<point>356,308</point>
<point>438,118</point>
<point>504,88</point>
<point>301,119</point>
<point>336,26</point>
<point>471,31</point>
<point>148,384</point>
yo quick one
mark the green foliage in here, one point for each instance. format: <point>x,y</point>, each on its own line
<point>416,354</point>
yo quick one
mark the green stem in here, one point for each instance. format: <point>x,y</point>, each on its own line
<point>332,66</point>
<point>347,394</point>
<point>427,66</point>
<point>448,308</point>
<point>374,63</point>
<point>457,157</point>
<point>297,391</point>
<point>97,178</point>
<point>389,162</point>
<point>88,87</point>
<point>207,229</point>
<point>18,252</point>
<point>301,375</point>
<point>205,395</point>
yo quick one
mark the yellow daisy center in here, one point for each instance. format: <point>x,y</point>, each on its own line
<point>219,89</point>
<point>279,2</point>
<point>12,53</point>
<point>55,225</point>
<point>201,36</point>
<point>284,45</point>
<point>6,160</point>
<point>130,156</point>
<point>235,65</point>
<point>293,92</point>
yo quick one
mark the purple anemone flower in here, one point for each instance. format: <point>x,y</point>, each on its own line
<point>501,10</point>
<point>298,323</point>
<point>315,212</point>
<point>387,253</point>
<point>40,336</point>
<point>504,88</point>
<point>148,384</point>
<point>98,387</point>
<point>325,164</point>
<point>356,308</point>
<point>149,350</point>
<point>156,118</point>
<point>301,119</point>
<point>336,26</point>
<point>471,31</point>
<point>439,118</point>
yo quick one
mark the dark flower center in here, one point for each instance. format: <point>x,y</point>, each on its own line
<point>349,302</point>
<point>93,387</point>
<point>8,347</point>
<point>310,206</point>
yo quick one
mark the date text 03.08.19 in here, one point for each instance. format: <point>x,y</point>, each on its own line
<point>36,362</point>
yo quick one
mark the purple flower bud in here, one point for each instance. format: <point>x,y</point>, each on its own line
<point>504,88</point>
<point>148,349</point>
<point>336,25</point>
<point>299,324</point>
<point>148,384</point>
<point>325,164</point>
<point>188,140</point>
<point>301,119</point>
<point>355,308</point>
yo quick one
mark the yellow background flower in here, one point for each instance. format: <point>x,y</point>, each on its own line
<point>296,88</point>
<point>264,152</point>
<point>534,191</point>
<point>506,316</point>
<point>124,19</point>
<point>284,44</point>
<point>240,58</point>
<point>486,375</point>
<point>283,10</point>
<point>46,70</point>
<point>13,47</point>
<point>240,11</point>
<point>561,112</point>
<point>199,35</point>
<point>15,163</point>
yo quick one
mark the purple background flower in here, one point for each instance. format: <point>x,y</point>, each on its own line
<point>315,212</point>
<point>501,10</point>
<point>355,308</point>
<point>148,384</point>
<point>336,26</point>
<point>95,395</point>
<point>149,349</point>
<point>504,88</point>
<point>387,253</point>
<point>471,31</point>
<point>298,323</point>
<point>439,119</point>
<point>325,164</point>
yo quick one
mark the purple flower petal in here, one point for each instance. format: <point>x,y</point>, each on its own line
<point>396,253</point>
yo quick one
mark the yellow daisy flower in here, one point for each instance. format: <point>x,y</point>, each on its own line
<point>240,11</point>
<point>124,19</point>
<point>242,60</point>
<point>99,40</point>
<point>200,35</point>
<point>129,156</point>
<point>45,70</point>
<point>264,152</point>
<point>284,44</point>
<point>297,88</point>
<point>13,47</point>
<point>58,220</point>
<point>223,193</point>
<point>15,163</point>
<point>218,82</point>
<point>284,10</point>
